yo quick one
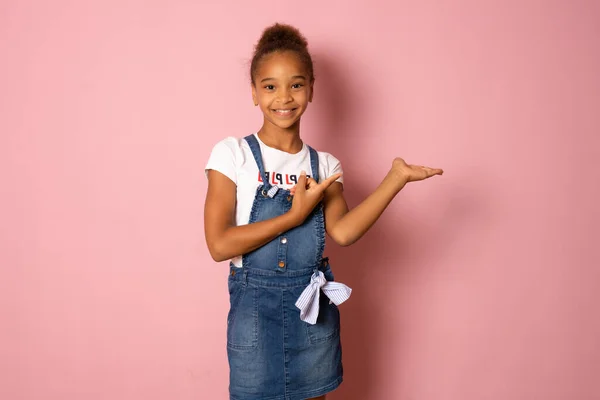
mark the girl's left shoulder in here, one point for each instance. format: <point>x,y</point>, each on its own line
<point>329,165</point>
<point>327,157</point>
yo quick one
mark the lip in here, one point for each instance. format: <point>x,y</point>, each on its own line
<point>284,113</point>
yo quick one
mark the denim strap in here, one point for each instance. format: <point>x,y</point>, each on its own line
<point>255,148</point>
<point>314,163</point>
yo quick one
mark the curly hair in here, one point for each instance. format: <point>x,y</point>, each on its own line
<point>279,38</point>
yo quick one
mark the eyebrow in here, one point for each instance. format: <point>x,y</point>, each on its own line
<point>293,77</point>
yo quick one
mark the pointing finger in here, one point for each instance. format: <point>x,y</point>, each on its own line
<point>327,182</point>
<point>301,186</point>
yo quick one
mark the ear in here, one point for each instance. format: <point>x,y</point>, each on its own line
<point>254,99</point>
<point>312,91</point>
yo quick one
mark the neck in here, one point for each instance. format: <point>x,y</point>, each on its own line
<point>284,139</point>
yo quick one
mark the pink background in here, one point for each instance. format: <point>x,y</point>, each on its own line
<point>481,284</point>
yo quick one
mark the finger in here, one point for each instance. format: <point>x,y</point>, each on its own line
<point>301,186</point>
<point>433,171</point>
<point>310,182</point>
<point>293,190</point>
<point>327,182</point>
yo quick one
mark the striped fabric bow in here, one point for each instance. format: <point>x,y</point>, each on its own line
<point>308,302</point>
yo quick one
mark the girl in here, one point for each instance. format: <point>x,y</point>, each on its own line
<point>269,196</point>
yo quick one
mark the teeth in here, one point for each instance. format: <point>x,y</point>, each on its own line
<point>283,111</point>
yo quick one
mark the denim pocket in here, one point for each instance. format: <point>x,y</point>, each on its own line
<point>242,320</point>
<point>328,321</point>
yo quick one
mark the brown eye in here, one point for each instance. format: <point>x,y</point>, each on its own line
<point>269,87</point>
<point>297,85</point>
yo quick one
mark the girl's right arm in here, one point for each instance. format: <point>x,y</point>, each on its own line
<point>225,240</point>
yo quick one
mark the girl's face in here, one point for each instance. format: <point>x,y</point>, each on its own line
<point>282,89</point>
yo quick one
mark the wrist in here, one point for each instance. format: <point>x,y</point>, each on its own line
<point>396,180</point>
<point>292,218</point>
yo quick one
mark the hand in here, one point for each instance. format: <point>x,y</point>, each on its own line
<point>308,193</point>
<point>310,182</point>
<point>410,173</point>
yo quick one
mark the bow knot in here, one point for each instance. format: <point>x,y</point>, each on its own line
<point>308,302</point>
<point>318,279</point>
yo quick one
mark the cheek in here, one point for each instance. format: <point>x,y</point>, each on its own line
<point>301,96</point>
<point>265,98</point>
<point>306,98</point>
<point>264,105</point>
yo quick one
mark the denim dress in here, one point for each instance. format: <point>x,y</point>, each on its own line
<point>272,353</point>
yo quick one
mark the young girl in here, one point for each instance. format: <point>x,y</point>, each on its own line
<point>270,200</point>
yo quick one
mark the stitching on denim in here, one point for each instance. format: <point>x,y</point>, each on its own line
<point>254,341</point>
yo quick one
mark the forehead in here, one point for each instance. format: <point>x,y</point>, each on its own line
<point>281,65</point>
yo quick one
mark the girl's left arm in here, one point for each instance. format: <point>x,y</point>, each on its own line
<point>347,226</point>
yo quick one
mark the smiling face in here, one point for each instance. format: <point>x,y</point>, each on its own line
<point>282,88</point>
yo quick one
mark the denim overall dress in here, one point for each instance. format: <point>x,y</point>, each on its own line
<point>273,354</point>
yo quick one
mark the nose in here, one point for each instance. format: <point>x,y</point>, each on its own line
<point>285,95</point>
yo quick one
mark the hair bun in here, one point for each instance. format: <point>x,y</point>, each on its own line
<point>279,38</point>
<point>281,35</point>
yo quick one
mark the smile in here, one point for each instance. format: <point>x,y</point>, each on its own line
<point>283,112</point>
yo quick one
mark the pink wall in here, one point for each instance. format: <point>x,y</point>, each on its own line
<point>481,284</point>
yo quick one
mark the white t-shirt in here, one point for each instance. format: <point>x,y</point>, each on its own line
<point>233,158</point>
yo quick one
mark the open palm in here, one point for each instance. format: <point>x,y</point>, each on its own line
<point>412,173</point>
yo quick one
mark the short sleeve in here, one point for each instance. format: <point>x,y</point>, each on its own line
<point>332,166</point>
<point>223,159</point>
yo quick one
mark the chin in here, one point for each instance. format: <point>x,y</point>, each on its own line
<point>286,124</point>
